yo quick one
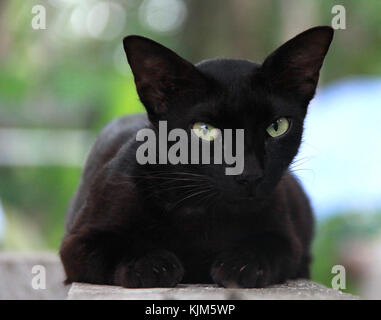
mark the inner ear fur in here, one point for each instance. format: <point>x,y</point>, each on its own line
<point>160,74</point>
<point>294,67</point>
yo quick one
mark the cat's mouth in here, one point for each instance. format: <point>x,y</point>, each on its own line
<point>234,200</point>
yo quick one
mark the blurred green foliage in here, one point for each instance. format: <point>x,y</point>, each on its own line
<point>39,195</point>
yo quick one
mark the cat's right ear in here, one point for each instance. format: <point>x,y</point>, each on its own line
<point>294,67</point>
<point>161,76</point>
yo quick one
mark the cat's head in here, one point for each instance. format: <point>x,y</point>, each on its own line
<point>269,101</point>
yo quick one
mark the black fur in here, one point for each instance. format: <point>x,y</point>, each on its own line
<point>139,225</point>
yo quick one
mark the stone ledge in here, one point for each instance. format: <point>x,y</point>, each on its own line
<point>292,290</point>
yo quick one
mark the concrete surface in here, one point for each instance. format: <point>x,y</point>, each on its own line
<point>16,276</point>
<point>295,290</point>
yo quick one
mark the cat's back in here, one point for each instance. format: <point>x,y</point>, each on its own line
<point>108,142</point>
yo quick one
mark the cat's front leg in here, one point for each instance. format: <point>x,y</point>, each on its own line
<point>271,261</point>
<point>101,257</point>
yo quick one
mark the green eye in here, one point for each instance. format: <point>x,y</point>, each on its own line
<point>278,127</point>
<point>205,131</point>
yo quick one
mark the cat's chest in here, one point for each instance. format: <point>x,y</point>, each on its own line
<point>206,234</point>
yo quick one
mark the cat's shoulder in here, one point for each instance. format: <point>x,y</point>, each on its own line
<point>122,126</point>
<point>112,137</point>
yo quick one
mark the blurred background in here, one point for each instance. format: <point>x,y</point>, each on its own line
<point>60,85</point>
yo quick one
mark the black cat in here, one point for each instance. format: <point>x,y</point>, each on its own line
<point>150,225</point>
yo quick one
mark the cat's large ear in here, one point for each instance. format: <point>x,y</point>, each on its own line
<point>293,69</point>
<point>161,76</point>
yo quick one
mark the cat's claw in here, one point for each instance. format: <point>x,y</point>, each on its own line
<point>157,269</point>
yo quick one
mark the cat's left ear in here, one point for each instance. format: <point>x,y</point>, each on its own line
<point>293,69</point>
<point>161,76</point>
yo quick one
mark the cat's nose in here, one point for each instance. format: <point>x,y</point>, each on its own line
<point>247,179</point>
<point>247,182</point>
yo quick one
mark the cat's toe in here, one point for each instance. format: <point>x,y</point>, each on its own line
<point>157,269</point>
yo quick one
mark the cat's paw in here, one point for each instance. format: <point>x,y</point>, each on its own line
<point>243,270</point>
<point>156,269</point>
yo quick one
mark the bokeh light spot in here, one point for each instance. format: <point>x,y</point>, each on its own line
<point>163,15</point>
